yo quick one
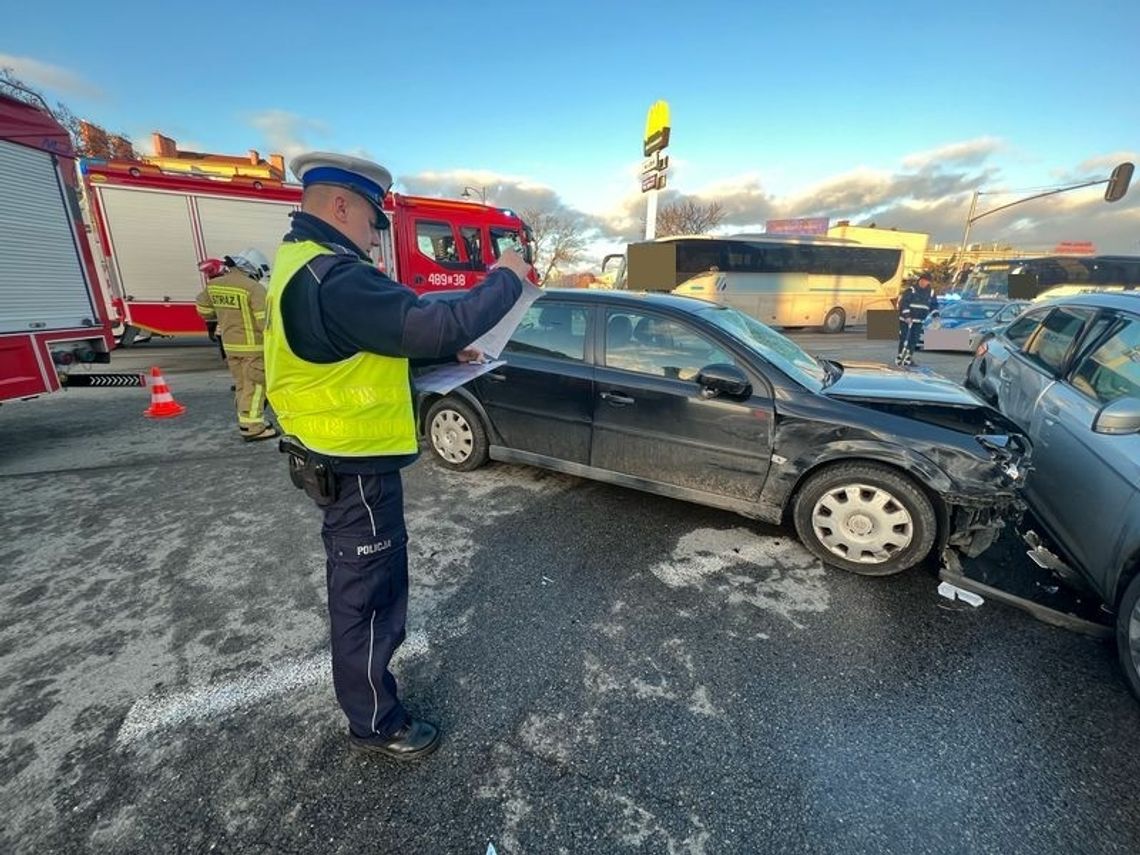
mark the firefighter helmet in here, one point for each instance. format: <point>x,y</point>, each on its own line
<point>212,268</point>
<point>251,262</point>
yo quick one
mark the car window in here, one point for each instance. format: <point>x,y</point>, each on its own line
<point>1020,330</point>
<point>1112,370</point>
<point>658,347</point>
<point>551,329</point>
<point>1009,313</point>
<point>1051,344</point>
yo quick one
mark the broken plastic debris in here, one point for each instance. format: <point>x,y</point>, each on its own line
<point>952,592</point>
<point>491,849</point>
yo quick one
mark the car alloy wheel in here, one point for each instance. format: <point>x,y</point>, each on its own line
<point>862,523</point>
<point>451,436</point>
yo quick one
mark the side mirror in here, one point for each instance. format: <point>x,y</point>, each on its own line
<point>723,379</point>
<point>1121,416</point>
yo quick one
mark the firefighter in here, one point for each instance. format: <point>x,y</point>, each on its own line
<point>212,268</point>
<point>918,301</point>
<point>235,302</point>
<point>339,343</point>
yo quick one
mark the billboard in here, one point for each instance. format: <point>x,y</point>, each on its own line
<point>801,226</point>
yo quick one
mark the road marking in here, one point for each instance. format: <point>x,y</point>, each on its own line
<point>164,710</point>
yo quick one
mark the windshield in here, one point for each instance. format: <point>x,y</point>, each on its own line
<point>989,282</point>
<point>504,239</point>
<point>780,351</point>
<point>971,311</point>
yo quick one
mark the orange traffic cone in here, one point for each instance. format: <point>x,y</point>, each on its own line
<point>162,403</point>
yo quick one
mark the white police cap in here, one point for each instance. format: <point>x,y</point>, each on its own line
<point>368,179</point>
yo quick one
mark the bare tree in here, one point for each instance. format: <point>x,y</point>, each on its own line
<point>688,217</point>
<point>88,138</point>
<point>559,237</point>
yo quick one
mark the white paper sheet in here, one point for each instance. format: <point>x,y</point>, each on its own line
<point>492,342</point>
<point>445,378</point>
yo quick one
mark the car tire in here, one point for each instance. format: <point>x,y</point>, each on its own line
<point>835,321</point>
<point>1128,634</point>
<point>457,435</point>
<point>865,518</point>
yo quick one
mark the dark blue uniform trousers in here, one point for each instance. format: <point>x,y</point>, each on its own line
<point>367,548</point>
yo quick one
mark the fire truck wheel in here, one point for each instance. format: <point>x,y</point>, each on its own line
<point>457,435</point>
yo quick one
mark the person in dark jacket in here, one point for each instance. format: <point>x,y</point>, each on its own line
<point>340,340</point>
<point>916,303</point>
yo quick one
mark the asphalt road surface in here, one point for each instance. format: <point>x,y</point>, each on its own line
<point>612,671</point>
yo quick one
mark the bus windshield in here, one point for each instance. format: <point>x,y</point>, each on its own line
<point>988,282</point>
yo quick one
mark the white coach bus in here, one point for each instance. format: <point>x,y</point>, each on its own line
<point>783,281</point>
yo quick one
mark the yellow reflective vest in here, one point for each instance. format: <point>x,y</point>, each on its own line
<point>358,407</point>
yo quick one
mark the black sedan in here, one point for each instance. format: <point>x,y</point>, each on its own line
<point>677,396</point>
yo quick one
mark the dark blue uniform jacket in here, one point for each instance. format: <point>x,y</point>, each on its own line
<point>355,307</point>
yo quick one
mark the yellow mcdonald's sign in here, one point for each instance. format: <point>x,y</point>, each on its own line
<point>657,127</point>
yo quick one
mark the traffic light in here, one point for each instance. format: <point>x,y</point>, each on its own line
<point>1118,182</point>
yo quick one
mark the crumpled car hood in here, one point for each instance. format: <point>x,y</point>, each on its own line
<point>866,381</point>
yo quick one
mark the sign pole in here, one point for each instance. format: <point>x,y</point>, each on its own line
<point>651,215</point>
<point>654,166</point>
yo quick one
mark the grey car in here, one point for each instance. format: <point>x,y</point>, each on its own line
<point>975,320</point>
<point>1068,373</point>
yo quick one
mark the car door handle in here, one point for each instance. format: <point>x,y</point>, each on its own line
<point>615,398</point>
<point>496,376</point>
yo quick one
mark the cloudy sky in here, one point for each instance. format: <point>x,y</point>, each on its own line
<point>892,112</point>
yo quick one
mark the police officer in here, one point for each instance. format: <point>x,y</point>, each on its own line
<point>916,303</point>
<point>235,301</point>
<point>340,339</point>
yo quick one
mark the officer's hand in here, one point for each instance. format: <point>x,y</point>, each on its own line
<point>513,262</point>
<point>470,354</point>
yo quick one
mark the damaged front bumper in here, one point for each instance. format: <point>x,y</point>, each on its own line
<point>974,524</point>
<point>976,520</point>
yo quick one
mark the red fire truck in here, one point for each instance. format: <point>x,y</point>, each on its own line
<point>51,313</point>
<point>155,226</point>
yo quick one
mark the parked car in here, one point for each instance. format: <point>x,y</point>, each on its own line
<point>689,399</point>
<point>1068,373</point>
<point>964,324</point>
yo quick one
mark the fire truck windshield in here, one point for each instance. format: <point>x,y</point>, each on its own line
<point>504,239</point>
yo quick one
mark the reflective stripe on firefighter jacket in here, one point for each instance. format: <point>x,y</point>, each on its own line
<point>358,407</point>
<point>917,303</point>
<point>238,304</point>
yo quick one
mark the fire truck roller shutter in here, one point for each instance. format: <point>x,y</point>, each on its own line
<point>153,246</point>
<point>231,225</point>
<point>42,282</point>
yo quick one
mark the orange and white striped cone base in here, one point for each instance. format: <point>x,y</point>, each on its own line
<point>162,403</point>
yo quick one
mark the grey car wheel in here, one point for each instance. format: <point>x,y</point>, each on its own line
<point>457,435</point>
<point>865,518</point>
<point>1128,634</point>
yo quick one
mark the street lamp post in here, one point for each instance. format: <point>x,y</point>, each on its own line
<point>482,191</point>
<point>1117,186</point>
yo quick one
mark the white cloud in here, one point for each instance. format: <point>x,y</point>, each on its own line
<point>289,134</point>
<point>967,152</point>
<point>53,77</point>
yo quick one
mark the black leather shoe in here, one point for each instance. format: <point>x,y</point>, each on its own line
<point>414,740</point>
